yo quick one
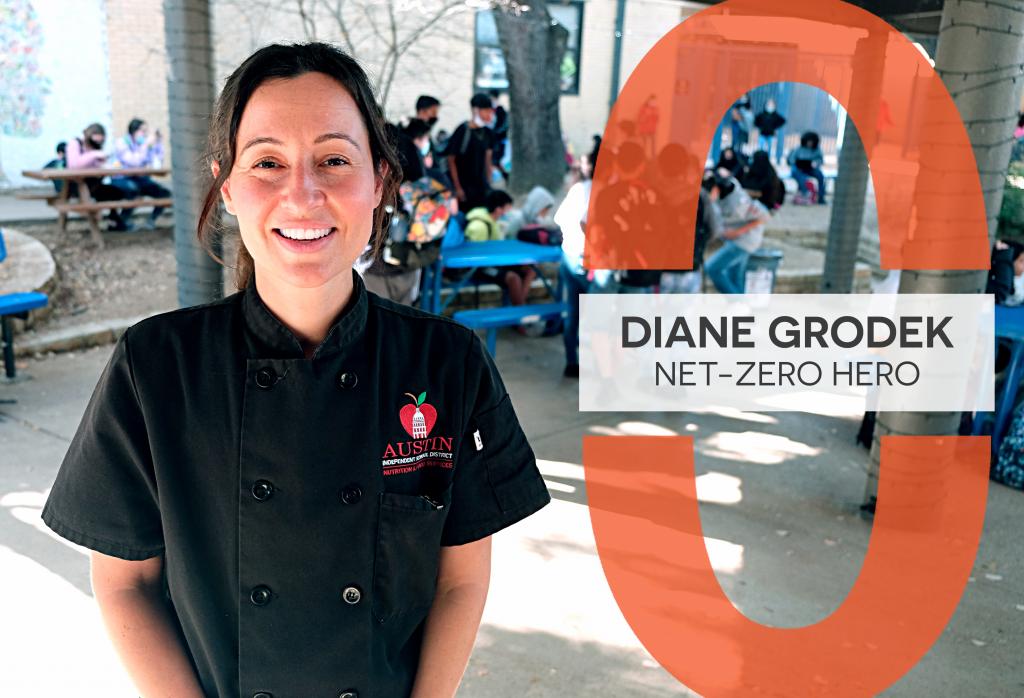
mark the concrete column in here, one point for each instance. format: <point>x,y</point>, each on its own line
<point>190,100</point>
<point>979,54</point>
<point>852,180</point>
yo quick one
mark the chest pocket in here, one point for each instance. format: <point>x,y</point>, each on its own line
<point>408,552</point>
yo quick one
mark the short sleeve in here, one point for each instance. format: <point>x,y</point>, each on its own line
<point>105,497</point>
<point>496,481</point>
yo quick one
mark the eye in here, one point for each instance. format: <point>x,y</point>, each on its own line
<point>336,161</point>
<point>265,165</point>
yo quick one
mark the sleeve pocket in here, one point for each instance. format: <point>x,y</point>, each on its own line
<point>509,460</point>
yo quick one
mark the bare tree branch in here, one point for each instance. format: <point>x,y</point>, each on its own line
<point>308,22</point>
<point>393,55</point>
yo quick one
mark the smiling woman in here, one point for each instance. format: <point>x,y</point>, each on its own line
<point>268,512</point>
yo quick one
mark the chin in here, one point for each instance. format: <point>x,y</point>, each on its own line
<point>311,279</point>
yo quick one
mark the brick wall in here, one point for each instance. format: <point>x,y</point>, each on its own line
<point>138,66</point>
<point>441,64</point>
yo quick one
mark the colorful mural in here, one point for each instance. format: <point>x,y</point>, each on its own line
<point>24,84</point>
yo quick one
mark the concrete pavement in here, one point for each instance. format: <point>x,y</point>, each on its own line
<point>779,495</point>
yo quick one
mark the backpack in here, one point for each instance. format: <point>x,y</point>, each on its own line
<point>1008,465</point>
<point>540,234</point>
<point>418,224</point>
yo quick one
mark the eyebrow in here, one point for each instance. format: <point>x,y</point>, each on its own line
<point>334,135</point>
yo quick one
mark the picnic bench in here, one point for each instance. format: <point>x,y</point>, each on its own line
<point>14,305</point>
<point>86,203</point>
<point>490,319</point>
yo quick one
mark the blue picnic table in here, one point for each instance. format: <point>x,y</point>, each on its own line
<point>475,255</point>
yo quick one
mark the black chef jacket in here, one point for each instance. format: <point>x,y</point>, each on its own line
<point>300,504</point>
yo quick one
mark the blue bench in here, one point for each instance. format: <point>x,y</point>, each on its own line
<point>15,305</point>
<point>491,319</point>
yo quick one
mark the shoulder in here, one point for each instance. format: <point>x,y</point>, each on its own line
<point>416,323</point>
<point>185,324</point>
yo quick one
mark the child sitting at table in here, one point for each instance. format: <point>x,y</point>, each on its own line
<point>141,149</point>
<point>86,153</point>
<point>61,163</point>
<point>482,226</point>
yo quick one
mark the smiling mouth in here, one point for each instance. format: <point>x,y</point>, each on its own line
<point>304,234</point>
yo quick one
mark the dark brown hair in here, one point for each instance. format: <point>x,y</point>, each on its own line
<point>279,61</point>
<point>90,131</point>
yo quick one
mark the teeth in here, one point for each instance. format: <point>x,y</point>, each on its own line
<point>305,233</point>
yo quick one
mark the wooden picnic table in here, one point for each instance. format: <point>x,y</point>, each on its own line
<point>86,203</point>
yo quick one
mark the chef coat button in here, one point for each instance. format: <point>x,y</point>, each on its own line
<point>347,380</point>
<point>262,694</point>
<point>260,596</point>
<point>351,494</point>
<point>348,694</point>
<point>261,490</point>
<point>352,595</point>
<point>265,378</point>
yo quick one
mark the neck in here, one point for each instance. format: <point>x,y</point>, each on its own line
<point>308,312</point>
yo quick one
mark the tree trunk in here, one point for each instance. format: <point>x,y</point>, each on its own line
<point>190,96</point>
<point>534,47</point>
<point>971,59</point>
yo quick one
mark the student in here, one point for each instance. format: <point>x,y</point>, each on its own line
<point>291,491</point>
<point>743,222</point>
<point>805,165</point>
<point>139,148</point>
<point>61,163</point>
<point>481,226</point>
<point>1006,275</point>
<point>762,179</point>
<point>678,173</point>
<point>733,162</point>
<point>428,108</point>
<point>768,121</point>
<point>469,154</point>
<point>741,121</point>
<point>571,217</point>
<point>536,210</point>
<point>500,128</point>
<point>87,152</point>
<point>631,206</point>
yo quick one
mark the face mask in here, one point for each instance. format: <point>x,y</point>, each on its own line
<point>140,138</point>
<point>478,121</point>
<point>96,142</point>
<point>431,121</point>
<point>424,148</point>
<point>770,109</point>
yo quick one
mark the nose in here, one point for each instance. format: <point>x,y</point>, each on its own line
<point>303,192</point>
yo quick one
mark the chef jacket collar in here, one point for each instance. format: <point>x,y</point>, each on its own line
<point>274,337</point>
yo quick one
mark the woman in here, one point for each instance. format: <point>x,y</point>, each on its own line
<point>290,491</point>
<point>141,149</point>
<point>86,153</point>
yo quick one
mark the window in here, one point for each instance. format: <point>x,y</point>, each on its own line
<point>489,71</point>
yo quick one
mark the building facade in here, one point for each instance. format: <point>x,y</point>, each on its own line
<point>108,62</point>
